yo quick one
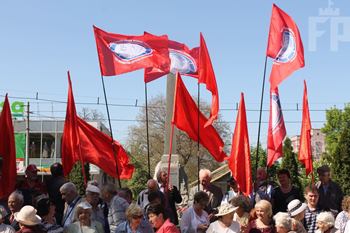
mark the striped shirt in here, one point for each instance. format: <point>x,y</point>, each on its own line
<point>310,219</point>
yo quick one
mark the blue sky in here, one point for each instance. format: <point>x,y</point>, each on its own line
<point>41,40</point>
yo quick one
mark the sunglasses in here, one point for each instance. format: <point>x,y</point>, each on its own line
<point>137,216</point>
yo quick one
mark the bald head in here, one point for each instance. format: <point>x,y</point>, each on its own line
<point>15,201</point>
<point>152,185</point>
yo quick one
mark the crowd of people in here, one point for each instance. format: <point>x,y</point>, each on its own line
<point>56,206</point>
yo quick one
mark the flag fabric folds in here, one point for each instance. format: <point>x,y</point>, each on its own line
<point>276,130</point>
<point>183,60</point>
<point>7,152</point>
<point>284,46</point>
<point>82,142</point>
<point>305,155</point>
<point>185,118</point>
<point>120,54</point>
<point>207,76</point>
<point>239,161</point>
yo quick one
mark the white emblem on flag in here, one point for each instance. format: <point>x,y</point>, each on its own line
<point>277,117</point>
<point>181,62</point>
<point>288,51</point>
<point>129,51</point>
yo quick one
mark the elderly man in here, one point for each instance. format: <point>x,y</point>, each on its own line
<point>92,193</point>
<point>72,199</point>
<point>311,212</point>
<point>142,199</point>
<point>330,193</point>
<point>116,206</point>
<point>15,203</point>
<point>214,192</point>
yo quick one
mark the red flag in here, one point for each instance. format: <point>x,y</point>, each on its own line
<point>277,129</point>
<point>183,60</point>
<point>185,117</point>
<point>207,76</point>
<point>81,141</point>
<point>305,155</point>
<point>239,161</point>
<point>120,54</point>
<point>7,152</point>
<point>284,46</point>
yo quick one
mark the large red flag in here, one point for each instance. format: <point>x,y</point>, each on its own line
<point>183,60</point>
<point>7,152</point>
<point>277,129</point>
<point>305,155</point>
<point>207,76</point>
<point>83,142</point>
<point>185,117</point>
<point>120,54</point>
<point>284,46</point>
<point>239,161</point>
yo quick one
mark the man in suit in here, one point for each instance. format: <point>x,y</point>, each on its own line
<point>214,192</point>
<point>72,199</point>
<point>171,193</point>
<point>15,203</point>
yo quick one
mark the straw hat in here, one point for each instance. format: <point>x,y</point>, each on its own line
<point>27,216</point>
<point>295,207</point>
<point>225,208</point>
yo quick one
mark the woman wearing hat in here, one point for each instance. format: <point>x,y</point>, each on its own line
<point>325,223</point>
<point>225,223</point>
<point>296,210</point>
<point>83,223</point>
<point>28,221</point>
<point>263,222</point>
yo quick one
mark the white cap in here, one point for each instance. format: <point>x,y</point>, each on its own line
<point>93,189</point>
<point>84,205</point>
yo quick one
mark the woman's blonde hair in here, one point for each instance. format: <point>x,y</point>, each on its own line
<point>265,205</point>
<point>133,210</point>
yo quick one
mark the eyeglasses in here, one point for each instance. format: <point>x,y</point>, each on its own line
<point>137,216</point>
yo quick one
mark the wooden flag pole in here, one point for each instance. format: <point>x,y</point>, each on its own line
<point>147,135</point>
<point>110,128</point>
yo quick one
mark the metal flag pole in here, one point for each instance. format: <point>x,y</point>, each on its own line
<point>198,137</point>
<point>147,135</point>
<point>260,113</point>
<point>110,128</point>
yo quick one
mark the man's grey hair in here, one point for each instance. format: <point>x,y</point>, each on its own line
<point>70,187</point>
<point>160,171</point>
<point>204,172</point>
<point>18,196</point>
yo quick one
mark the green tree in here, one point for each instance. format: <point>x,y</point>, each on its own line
<point>76,176</point>
<point>289,162</point>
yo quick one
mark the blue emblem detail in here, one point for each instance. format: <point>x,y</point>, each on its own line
<point>276,111</point>
<point>289,49</point>
<point>129,51</point>
<point>181,62</point>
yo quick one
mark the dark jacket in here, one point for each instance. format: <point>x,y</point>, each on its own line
<point>53,188</point>
<point>331,199</point>
<point>13,224</point>
<point>173,197</point>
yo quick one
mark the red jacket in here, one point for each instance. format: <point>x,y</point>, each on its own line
<point>168,227</point>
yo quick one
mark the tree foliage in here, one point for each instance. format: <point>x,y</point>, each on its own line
<point>186,148</point>
<point>337,153</point>
<point>76,176</point>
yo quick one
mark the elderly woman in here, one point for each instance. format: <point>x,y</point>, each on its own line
<point>83,223</point>
<point>28,221</point>
<point>344,216</point>
<point>241,215</point>
<point>225,222</point>
<point>135,222</point>
<point>296,210</point>
<point>283,223</point>
<point>159,220</point>
<point>195,218</point>
<point>325,223</point>
<point>47,210</point>
<point>263,222</point>
<point>3,227</point>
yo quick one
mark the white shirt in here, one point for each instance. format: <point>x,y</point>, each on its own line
<point>216,227</point>
<point>6,229</point>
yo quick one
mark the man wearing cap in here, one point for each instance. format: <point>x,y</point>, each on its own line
<point>330,193</point>
<point>14,203</point>
<point>28,220</point>
<point>31,186</point>
<point>296,209</point>
<point>70,196</point>
<point>92,193</point>
<point>3,227</point>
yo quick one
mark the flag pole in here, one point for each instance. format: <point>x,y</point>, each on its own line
<point>198,158</point>
<point>110,128</point>
<point>147,134</point>
<point>259,126</point>
<point>170,150</point>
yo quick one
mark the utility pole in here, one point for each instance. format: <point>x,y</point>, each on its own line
<point>27,136</point>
